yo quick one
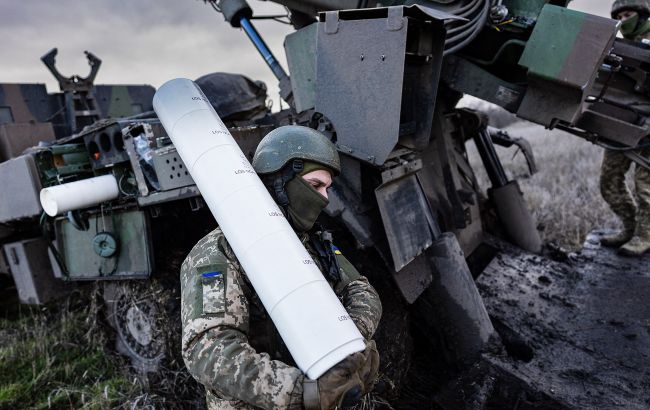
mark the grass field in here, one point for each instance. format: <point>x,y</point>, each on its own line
<point>60,357</point>
<point>55,357</point>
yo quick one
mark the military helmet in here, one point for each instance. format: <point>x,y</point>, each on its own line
<point>290,142</point>
<point>640,6</point>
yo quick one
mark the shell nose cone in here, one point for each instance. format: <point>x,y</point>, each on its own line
<point>48,203</point>
<point>175,99</point>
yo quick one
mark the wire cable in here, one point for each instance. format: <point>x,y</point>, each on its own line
<point>478,25</point>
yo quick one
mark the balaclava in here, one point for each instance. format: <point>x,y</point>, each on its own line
<point>634,26</point>
<point>305,203</point>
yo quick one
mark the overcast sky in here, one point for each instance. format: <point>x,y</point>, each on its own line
<point>142,41</point>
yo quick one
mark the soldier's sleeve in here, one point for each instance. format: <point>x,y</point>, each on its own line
<point>215,345</point>
<point>359,297</point>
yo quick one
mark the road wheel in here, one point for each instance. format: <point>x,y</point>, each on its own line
<point>137,312</point>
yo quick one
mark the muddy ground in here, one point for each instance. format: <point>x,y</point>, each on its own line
<point>576,327</point>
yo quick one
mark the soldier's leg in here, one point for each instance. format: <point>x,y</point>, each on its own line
<point>640,242</point>
<point>616,193</point>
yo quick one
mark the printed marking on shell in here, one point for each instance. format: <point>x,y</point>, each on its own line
<point>244,161</point>
<point>308,262</point>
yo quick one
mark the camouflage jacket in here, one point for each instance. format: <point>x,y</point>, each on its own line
<point>229,343</point>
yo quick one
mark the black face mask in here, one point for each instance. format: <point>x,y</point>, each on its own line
<point>305,204</point>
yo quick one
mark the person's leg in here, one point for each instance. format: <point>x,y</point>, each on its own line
<point>640,242</point>
<point>616,193</point>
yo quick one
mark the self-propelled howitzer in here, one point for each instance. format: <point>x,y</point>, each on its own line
<point>383,83</point>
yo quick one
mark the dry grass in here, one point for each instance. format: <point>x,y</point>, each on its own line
<point>564,195</point>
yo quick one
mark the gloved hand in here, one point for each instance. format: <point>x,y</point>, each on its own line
<point>340,386</point>
<point>370,368</point>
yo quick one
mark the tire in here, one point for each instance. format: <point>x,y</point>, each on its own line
<point>143,329</point>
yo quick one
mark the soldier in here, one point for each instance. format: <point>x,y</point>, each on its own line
<point>634,239</point>
<point>229,343</point>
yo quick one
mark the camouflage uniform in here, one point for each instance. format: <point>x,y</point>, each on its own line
<point>616,193</point>
<point>230,344</point>
<point>635,236</point>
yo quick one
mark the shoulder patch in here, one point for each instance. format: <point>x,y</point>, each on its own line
<point>212,270</point>
<point>213,284</point>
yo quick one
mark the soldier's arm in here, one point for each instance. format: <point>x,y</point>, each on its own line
<point>359,298</point>
<point>215,346</point>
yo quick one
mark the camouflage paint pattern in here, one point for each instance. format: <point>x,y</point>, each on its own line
<point>116,101</point>
<point>552,54</point>
<point>229,343</point>
<point>27,102</point>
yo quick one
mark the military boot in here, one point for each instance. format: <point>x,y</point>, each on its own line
<point>617,239</point>
<point>640,242</point>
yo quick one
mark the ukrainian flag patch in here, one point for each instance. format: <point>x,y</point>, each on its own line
<point>336,250</point>
<point>212,271</point>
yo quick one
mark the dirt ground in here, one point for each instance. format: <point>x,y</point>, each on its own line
<point>575,322</point>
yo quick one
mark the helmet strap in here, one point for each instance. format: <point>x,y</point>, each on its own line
<point>321,241</point>
<point>297,165</point>
<point>285,175</point>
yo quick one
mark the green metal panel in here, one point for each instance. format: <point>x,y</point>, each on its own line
<point>300,48</point>
<point>117,101</point>
<point>552,42</point>
<point>563,56</point>
<point>133,258</point>
<point>529,8</point>
<point>120,104</point>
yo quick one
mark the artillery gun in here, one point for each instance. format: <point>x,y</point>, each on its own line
<point>383,83</point>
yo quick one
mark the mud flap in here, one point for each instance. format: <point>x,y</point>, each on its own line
<point>407,219</point>
<point>410,229</point>
<point>515,216</point>
<point>452,306</point>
